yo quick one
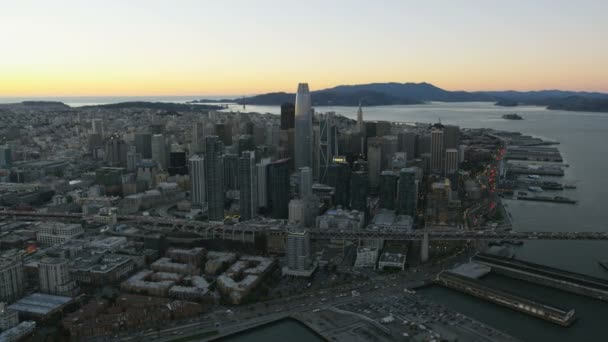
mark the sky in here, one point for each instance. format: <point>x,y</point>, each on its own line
<point>243,47</point>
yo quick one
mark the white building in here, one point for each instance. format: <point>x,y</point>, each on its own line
<point>366,257</point>
<point>298,254</point>
<point>52,233</point>
<point>54,276</point>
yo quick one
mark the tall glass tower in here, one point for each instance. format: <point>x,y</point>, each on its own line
<point>303,123</point>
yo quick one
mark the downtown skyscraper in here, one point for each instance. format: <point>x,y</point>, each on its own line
<point>197,181</point>
<point>214,172</point>
<point>248,185</point>
<point>304,131</point>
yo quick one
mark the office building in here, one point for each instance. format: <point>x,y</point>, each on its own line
<point>11,278</point>
<point>231,171</point>
<point>116,151</point>
<point>198,138</point>
<point>224,133</point>
<point>143,144</point>
<point>197,181</point>
<point>388,190</point>
<point>303,127</point>
<point>178,163</point>
<point>262,173</point>
<point>451,136</point>
<point>383,128</point>
<point>408,143</point>
<point>389,148</point>
<point>54,277</point>
<point>159,151</point>
<point>407,192</point>
<point>278,188</point>
<point>374,162</point>
<point>437,150</point>
<point>214,172</point>
<point>359,190</point>
<point>451,161</point>
<point>305,182</point>
<point>338,177</point>
<point>248,186</point>
<point>328,144</point>
<point>298,254</point>
<point>288,111</point>
<point>97,126</point>
<point>133,158</point>
<point>8,318</point>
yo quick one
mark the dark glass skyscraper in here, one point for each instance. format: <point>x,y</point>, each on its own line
<point>407,191</point>
<point>388,190</point>
<point>231,172</point>
<point>359,185</point>
<point>338,177</point>
<point>143,144</point>
<point>214,168</point>
<point>248,185</point>
<point>288,112</point>
<point>278,188</point>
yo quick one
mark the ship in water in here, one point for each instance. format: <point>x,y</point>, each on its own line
<point>512,116</point>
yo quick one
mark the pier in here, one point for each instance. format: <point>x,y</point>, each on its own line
<point>533,308</point>
<point>547,276</point>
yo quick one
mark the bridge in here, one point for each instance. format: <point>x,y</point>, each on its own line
<point>239,231</point>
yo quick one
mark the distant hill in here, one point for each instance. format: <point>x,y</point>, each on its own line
<point>167,106</point>
<point>375,94</point>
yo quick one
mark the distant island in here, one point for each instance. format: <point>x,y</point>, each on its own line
<point>379,94</point>
<point>513,116</point>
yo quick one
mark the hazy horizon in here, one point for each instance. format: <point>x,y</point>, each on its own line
<point>188,48</point>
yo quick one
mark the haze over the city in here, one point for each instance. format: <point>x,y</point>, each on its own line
<point>76,48</point>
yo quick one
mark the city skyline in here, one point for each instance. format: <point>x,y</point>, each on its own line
<point>154,48</point>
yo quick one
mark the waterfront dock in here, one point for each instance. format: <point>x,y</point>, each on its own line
<point>547,276</point>
<point>533,308</point>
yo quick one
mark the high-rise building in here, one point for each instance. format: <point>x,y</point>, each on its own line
<point>328,144</point>
<point>214,172</point>
<point>231,171</point>
<point>338,177</point>
<point>11,278</point>
<point>6,156</point>
<point>407,192</point>
<point>288,111</point>
<point>374,161</point>
<point>303,126</point>
<point>383,128</point>
<point>278,188</point>
<point>246,142</point>
<point>360,123</point>
<point>262,173</point>
<point>451,136</point>
<point>298,250</point>
<point>389,148</point>
<point>178,163</point>
<point>388,190</point>
<point>359,190</point>
<point>451,161</point>
<point>224,132</point>
<point>133,158</point>
<point>97,126</point>
<point>143,144</point>
<point>116,151</point>
<point>54,276</point>
<point>408,143</point>
<point>198,137</point>
<point>437,150</point>
<point>159,151</point>
<point>197,181</point>
<point>305,182</point>
<point>248,186</point>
